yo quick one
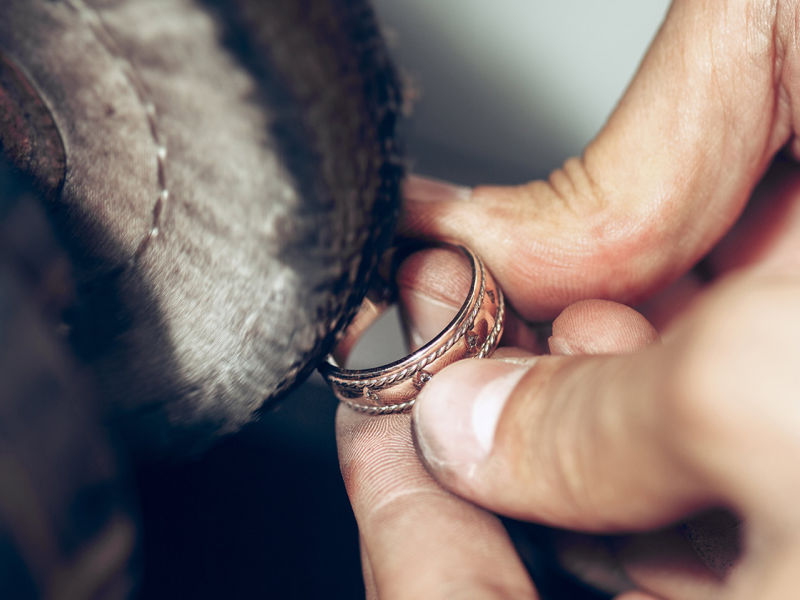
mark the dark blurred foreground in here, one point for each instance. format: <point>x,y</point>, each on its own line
<point>263,514</point>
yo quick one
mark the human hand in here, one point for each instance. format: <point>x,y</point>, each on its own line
<point>644,435</point>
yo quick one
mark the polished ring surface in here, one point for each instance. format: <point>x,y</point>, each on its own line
<point>473,333</point>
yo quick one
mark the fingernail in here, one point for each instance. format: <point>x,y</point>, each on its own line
<point>425,189</point>
<point>526,361</point>
<point>561,346</point>
<point>456,413</point>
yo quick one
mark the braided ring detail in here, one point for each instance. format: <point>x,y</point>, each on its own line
<point>486,350</point>
<point>393,388</point>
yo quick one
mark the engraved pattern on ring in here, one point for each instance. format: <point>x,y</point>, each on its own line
<point>486,349</point>
<point>393,388</point>
<point>381,382</point>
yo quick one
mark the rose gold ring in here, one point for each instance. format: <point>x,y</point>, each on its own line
<point>473,333</point>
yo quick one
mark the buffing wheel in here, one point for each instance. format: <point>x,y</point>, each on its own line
<point>223,176</point>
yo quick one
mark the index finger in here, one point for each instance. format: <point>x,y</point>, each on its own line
<point>665,178</point>
<point>418,540</point>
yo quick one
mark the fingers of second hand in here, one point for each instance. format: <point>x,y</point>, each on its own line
<point>612,443</point>
<point>410,525</point>
<point>553,443</point>
<point>666,562</point>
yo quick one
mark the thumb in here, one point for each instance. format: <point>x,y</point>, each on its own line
<point>662,182</point>
<point>623,443</point>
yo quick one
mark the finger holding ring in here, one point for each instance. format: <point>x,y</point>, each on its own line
<point>474,332</point>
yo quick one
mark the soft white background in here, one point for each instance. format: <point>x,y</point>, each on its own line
<point>510,88</point>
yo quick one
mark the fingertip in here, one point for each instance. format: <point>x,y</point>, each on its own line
<point>409,525</point>
<point>600,327</point>
<point>367,445</point>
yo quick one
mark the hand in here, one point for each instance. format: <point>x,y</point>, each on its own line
<point>644,434</point>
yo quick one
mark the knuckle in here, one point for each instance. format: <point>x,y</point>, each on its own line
<point>728,373</point>
<point>559,458</point>
<point>702,376</point>
<point>576,481</point>
<point>694,396</point>
<point>575,188</point>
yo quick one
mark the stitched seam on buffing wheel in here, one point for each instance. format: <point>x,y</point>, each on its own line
<point>94,22</point>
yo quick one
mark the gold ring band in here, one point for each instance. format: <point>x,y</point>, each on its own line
<point>473,333</point>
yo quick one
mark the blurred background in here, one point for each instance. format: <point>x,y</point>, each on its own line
<point>502,92</point>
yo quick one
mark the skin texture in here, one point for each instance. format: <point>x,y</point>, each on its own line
<point>626,429</point>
